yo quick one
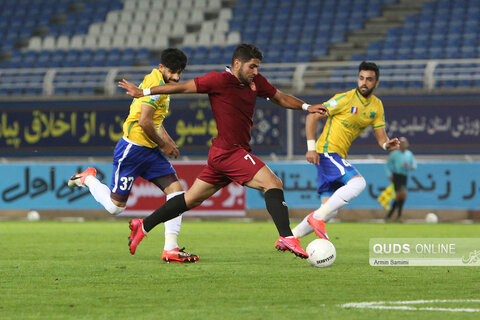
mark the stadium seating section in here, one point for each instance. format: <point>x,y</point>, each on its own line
<point>103,34</point>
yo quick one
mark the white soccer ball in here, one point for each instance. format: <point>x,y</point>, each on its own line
<point>321,253</point>
<point>33,215</point>
<point>431,218</point>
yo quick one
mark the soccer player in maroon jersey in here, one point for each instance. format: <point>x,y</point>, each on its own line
<point>232,95</point>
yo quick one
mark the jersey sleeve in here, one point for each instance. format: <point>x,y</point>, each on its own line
<point>208,83</point>
<point>152,100</point>
<point>336,104</point>
<point>379,121</point>
<point>264,88</point>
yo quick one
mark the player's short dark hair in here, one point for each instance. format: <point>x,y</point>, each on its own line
<point>245,52</point>
<point>174,59</point>
<point>369,66</point>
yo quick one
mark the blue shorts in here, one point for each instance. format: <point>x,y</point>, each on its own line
<point>333,173</point>
<point>131,161</point>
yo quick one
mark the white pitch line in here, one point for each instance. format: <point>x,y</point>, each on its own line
<point>400,305</point>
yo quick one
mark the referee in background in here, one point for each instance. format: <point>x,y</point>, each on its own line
<point>398,166</point>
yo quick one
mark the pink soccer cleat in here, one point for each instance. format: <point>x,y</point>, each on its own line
<point>291,244</point>
<point>78,180</point>
<point>136,235</point>
<point>279,245</point>
<point>178,255</point>
<point>318,226</point>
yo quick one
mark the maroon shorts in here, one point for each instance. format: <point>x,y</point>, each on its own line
<point>225,166</point>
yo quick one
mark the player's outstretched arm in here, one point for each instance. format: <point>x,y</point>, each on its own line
<point>291,102</point>
<point>168,88</point>
<point>132,89</point>
<point>384,142</point>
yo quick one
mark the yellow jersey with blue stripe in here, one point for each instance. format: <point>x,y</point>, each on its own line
<point>160,103</point>
<point>350,114</point>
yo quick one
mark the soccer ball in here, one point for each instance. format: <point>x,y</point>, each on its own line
<point>431,218</point>
<point>321,253</point>
<point>33,216</point>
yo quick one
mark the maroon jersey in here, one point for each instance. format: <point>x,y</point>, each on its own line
<point>233,104</point>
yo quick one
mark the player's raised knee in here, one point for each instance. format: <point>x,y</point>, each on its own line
<point>114,209</point>
<point>357,184</point>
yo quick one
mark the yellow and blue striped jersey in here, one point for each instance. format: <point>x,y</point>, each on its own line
<point>160,103</point>
<point>350,114</point>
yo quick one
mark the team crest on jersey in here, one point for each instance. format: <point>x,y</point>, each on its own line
<point>253,86</point>
<point>354,110</point>
<point>333,103</point>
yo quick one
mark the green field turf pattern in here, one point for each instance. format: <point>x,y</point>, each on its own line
<point>59,270</point>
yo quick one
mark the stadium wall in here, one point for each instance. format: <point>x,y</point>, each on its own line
<point>434,124</point>
<point>452,187</point>
<point>32,132</point>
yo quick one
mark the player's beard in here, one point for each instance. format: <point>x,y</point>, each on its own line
<point>367,93</point>
<point>242,77</point>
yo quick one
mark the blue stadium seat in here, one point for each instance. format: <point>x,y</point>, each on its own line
<point>390,43</point>
<point>303,56</point>
<point>215,55</point>
<point>375,45</point>
<point>468,52</point>
<point>358,57</point>
<point>472,26</point>
<point>288,56</point>
<point>320,86</point>
<point>355,24</point>
<point>419,53</point>
<point>287,31</point>
<point>464,83</point>
<point>421,42</point>
<point>414,83</point>
<point>337,38</point>
<point>404,53</point>
<point>452,53</point>
<point>272,56</point>
<point>143,53</point>
<point>319,52</point>
<point>446,84</point>
<point>374,54</point>
<point>435,53</point>
<point>18,91</point>
<point>388,54</point>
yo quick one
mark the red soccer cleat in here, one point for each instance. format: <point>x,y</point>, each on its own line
<point>178,255</point>
<point>79,178</point>
<point>318,226</point>
<point>137,234</point>
<point>292,245</point>
<point>279,245</point>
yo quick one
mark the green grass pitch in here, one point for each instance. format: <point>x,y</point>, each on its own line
<point>55,270</point>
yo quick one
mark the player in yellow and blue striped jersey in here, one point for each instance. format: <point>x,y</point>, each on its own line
<point>349,114</point>
<point>143,152</point>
